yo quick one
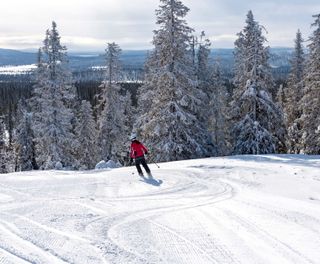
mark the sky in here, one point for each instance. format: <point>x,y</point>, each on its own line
<point>87,25</point>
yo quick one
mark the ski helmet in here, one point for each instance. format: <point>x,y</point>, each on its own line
<point>133,136</point>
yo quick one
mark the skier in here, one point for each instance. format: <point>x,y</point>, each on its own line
<point>137,152</point>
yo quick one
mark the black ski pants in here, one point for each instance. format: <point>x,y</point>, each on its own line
<point>141,160</point>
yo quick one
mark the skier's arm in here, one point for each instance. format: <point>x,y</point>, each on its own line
<point>131,153</point>
<point>145,150</point>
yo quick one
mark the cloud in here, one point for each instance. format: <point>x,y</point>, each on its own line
<point>91,24</point>
<point>21,42</point>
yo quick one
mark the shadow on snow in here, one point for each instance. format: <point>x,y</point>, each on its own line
<point>151,181</point>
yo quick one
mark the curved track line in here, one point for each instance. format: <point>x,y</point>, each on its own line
<point>6,255</point>
<point>266,236</point>
<point>35,249</point>
<point>226,192</point>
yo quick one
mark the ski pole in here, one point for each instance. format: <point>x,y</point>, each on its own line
<point>155,163</point>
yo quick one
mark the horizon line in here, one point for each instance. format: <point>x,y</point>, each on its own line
<point>34,50</point>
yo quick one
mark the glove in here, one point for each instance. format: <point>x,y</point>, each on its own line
<point>146,153</point>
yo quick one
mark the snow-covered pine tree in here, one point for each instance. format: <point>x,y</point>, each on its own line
<point>5,155</point>
<point>310,103</point>
<point>258,120</point>
<point>203,71</point>
<point>24,140</point>
<point>86,134</point>
<point>281,97</point>
<point>203,68</point>
<point>113,132</point>
<point>251,57</point>
<point>112,74</point>
<point>219,125</point>
<point>146,91</point>
<point>130,113</point>
<point>239,81</point>
<point>53,97</point>
<point>211,83</point>
<point>294,92</point>
<point>3,152</point>
<point>170,124</point>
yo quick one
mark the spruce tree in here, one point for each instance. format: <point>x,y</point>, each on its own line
<point>294,92</point>
<point>251,58</point>
<point>52,103</point>
<point>310,103</point>
<point>113,132</point>
<point>5,157</point>
<point>170,123</point>
<point>219,124</point>
<point>215,95</point>
<point>204,76</point>
<point>281,97</point>
<point>86,134</point>
<point>259,127</point>
<point>203,67</point>
<point>24,140</point>
<point>3,153</point>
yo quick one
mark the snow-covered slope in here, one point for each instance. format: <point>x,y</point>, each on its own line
<point>242,209</point>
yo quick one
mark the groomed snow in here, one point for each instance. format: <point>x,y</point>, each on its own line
<point>242,209</point>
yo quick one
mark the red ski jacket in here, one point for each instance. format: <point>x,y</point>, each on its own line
<point>137,149</point>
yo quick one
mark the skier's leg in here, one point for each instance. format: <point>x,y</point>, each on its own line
<point>145,165</point>
<point>137,162</point>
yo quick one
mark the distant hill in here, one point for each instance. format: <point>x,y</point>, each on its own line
<point>78,61</point>
<point>15,57</point>
<point>134,59</point>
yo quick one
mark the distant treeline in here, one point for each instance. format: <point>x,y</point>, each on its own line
<point>19,86</point>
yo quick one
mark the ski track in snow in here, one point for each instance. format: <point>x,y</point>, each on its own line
<point>249,209</point>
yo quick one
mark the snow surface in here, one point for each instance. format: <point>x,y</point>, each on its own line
<point>241,209</point>
<point>20,69</point>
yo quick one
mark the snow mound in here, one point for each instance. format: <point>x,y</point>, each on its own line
<point>58,166</point>
<point>110,164</point>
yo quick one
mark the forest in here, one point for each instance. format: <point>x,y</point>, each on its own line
<point>184,103</point>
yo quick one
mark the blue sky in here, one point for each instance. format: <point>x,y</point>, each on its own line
<point>88,25</point>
